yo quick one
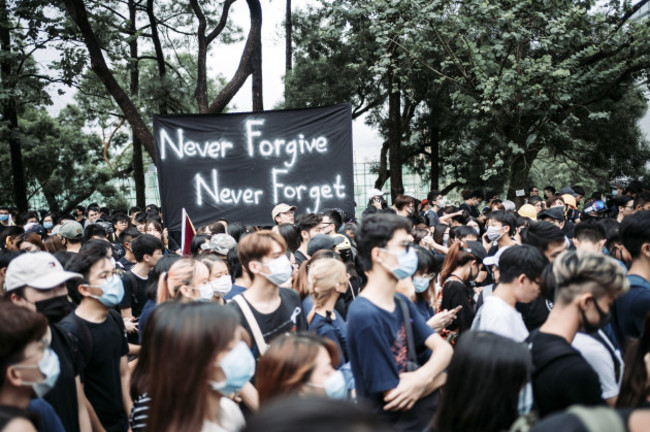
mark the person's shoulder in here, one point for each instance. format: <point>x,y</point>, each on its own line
<point>289,294</point>
<point>361,311</point>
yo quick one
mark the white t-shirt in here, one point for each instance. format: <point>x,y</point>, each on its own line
<point>231,418</point>
<point>499,317</point>
<point>600,359</point>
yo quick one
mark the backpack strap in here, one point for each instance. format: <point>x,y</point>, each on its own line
<point>77,330</point>
<point>599,418</point>
<point>410,342</point>
<point>262,346</point>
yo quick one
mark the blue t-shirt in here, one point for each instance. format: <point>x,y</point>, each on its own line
<point>334,329</point>
<point>424,308</point>
<point>631,309</point>
<point>377,346</point>
<point>50,421</point>
<point>149,306</point>
<point>235,290</point>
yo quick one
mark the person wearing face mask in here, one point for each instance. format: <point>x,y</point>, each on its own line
<point>462,266</point>
<point>300,364</point>
<point>404,205</point>
<point>265,310</point>
<point>37,282</point>
<point>219,279</point>
<point>185,282</point>
<point>500,226</point>
<point>28,366</point>
<point>401,391</point>
<point>203,340</point>
<point>98,331</point>
<point>586,285</point>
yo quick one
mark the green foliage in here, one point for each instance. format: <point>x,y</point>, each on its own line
<point>62,163</point>
<point>499,86</point>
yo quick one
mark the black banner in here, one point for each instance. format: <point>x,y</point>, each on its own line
<point>239,166</point>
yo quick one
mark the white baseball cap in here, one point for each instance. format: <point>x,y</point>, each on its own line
<point>38,270</point>
<point>375,192</point>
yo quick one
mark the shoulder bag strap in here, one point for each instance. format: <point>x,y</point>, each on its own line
<point>252,323</point>
<point>410,342</point>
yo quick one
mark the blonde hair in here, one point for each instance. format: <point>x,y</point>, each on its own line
<point>185,271</point>
<point>577,271</point>
<point>324,275</point>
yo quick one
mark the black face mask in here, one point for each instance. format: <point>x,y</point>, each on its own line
<point>603,319</point>
<point>54,309</point>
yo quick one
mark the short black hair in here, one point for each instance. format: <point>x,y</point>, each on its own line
<point>335,217</point>
<point>535,199</point>
<point>541,235</point>
<point>505,218</point>
<point>635,232</point>
<point>376,231</point>
<point>133,210</point>
<point>140,218</point>
<point>641,199</point>
<point>197,241</point>
<point>517,260</point>
<point>145,244</point>
<point>590,231</point>
<point>119,217</point>
<point>461,232</point>
<point>550,188</point>
<point>579,190</point>
<point>432,195</point>
<point>235,230</point>
<point>307,221</point>
<point>234,265</point>
<point>426,262</point>
<point>129,234</point>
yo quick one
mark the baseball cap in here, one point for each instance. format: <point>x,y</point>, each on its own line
<point>508,205</point>
<point>372,192</point>
<point>38,270</point>
<point>556,213</point>
<point>567,191</point>
<point>344,244</point>
<point>494,259</point>
<point>476,249</point>
<point>596,207</point>
<point>529,211</point>
<point>220,243</point>
<point>569,200</point>
<point>71,230</point>
<point>281,208</point>
<point>322,241</point>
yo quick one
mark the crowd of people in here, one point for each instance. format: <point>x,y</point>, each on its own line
<point>422,316</point>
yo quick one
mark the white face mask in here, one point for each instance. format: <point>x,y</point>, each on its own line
<point>281,270</point>
<point>205,293</point>
<point>50,367</point>
<point>221,285</point>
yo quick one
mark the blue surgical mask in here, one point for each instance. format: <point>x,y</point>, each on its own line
<point>238,366</point>
<point>4,217</point>
<point>334,386</point>
<point>281,270</point>
<point>48,225</point>
<point>50,367</point>
<point>421,284</point>
<point>407,264</point>
<point>112,292</point>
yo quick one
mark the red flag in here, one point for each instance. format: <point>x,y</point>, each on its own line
<point>187,233</point>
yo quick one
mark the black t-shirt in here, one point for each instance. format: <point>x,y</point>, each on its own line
<point>561,377</point>
<point>126,264</point>
<point>287,318</point>
<point>454,294</point>
<point>300,258</point>
<point>134,296</point>
<point>535,312</point>
<point>101,376</point>
<point>473,211</point>
<point>63,397</point>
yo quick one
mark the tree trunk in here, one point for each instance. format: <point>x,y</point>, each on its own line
<point>9,113</point>
<point>394,136</point>
<point>520,168</point>
<point>77,12</point>
<point>134,88</point>
<point>245,67</point>
<point>382,175</point>
<point>258,99</point>
<point>435,159</point>
<point>160,56</point>
<point>288,31</point>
